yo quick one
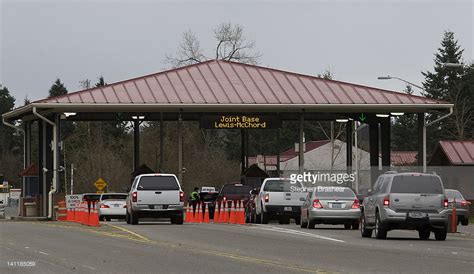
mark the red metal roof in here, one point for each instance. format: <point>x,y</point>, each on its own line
<point>224,82</point>
<point>458,152</point>
<point>30,171</point>
<point>403,158</point>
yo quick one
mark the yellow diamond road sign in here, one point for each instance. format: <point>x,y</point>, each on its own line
<point>100,184</point>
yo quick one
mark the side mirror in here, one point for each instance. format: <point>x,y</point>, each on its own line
<point>302,199</point>
<point>129,188</point>
<point>253,192</point>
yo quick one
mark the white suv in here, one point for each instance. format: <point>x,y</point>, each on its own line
<point>155,196</point>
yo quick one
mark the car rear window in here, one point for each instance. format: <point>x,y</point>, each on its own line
<point>91,197</point>
<point>330,191</point>
<point>158,183</point>
<point>236,189</point>
<point>279,186</point>
<point>416,184</point>
<point>450,194</point>
<point>114,197</point>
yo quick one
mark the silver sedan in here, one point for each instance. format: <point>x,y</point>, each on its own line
<point>331,205</point>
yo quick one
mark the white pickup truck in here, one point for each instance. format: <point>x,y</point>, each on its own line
<point>279,199</point>
<point>155,196</point>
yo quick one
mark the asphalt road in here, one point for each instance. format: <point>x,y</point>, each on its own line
<point>53,247</point>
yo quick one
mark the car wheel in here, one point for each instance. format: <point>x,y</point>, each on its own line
<point>424,233</point>
<point>364,231</point>
<point>298,220</point>
<point>347,226</point>
<point>380,232</point>
<point>127,218</point>
<point>177,220</point>
<point>440,234</point>
<point>133,218</point>
<point>465,221</point>
<point>101,218</point>
<point>303,224</point>
<point>258,218</point>
<point>264,218</point>
<point>355,226</point>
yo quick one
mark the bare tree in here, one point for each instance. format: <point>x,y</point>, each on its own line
<point>189,52</point>
<point>232,45</point>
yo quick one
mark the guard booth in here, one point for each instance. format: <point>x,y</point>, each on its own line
<point>31,200</point>
<point>254,176</point>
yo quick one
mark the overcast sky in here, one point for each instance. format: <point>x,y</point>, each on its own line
<point>358,40</point>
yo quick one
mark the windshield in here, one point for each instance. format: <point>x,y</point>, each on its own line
<point>417,184</point>
<point>338,192</point>
<point>114,197</point>
<point>236,189</point>
<point>158,183</point>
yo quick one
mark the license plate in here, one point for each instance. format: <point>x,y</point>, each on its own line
<point>158,206</point>
<point>336,205</point>
<point>288,208</point>
<point>116,205</point>
<point>416,214</point>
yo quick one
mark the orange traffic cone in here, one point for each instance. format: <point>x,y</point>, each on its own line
<point>225,213</point>
<point>232,218</point>
<point>217,213</point>
<point>199,214</point>
<point>206,213</point>
<point>94,216</point>
<point>189,215</point>
<point>241,213</point>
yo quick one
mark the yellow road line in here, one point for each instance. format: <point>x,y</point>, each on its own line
<point>131,232</point>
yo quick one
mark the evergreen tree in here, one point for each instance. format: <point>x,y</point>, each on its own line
<point>404,130</point>
<point>7,103</point>
<point>447,84</point>
<point>57,89</point>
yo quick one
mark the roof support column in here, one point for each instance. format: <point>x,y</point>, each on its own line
<point>301,144</point>
<point>421,123</point>
<point>278,152</point>
<point>162,146</point>
<point>136,144</point>
<point>26,152</point>
<point>246,148</point>
<point>374,151</point>
<point>242,151</point>
<point>180,150</point>
<point>349,146</point>
<point>385,138</point>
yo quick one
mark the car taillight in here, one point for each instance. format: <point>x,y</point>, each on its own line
<point>267,198</point>
<point>104,206</point>
<point>317,204</point>
<point>181,196</point>
<point>386,201</point>
<point>134,197</point>
<point>225,198</point>
<point>356,204</point>
<point>446,203</point>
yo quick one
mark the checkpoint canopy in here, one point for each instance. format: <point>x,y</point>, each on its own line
<point>222,94</point>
